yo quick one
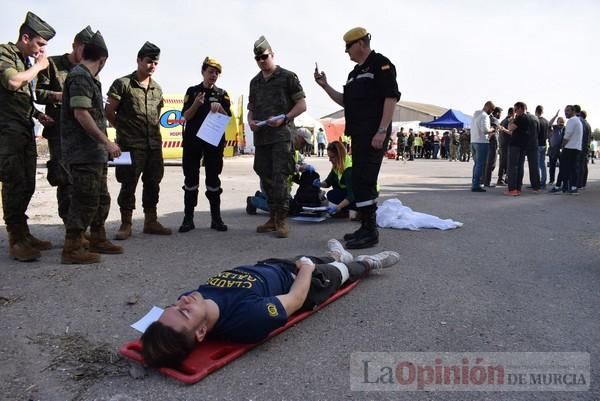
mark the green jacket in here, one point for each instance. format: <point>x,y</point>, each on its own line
<point>52,79</point>
<point>342,179</point>
<point>16,107</point>
<point>138,114</point>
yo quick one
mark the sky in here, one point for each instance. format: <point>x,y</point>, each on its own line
<point>455,54</point>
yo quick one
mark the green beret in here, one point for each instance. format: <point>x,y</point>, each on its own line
<point>261,46</point>
<point>39,26</point>
<point>98,41</point>
<point>355,34</point>
<point>85,35</point>
<point>149,50</point>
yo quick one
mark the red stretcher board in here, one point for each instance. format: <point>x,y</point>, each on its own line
<point>213,354</point>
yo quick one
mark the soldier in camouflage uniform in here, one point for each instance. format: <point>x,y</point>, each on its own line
<point>276,98</point>
<point>48,90</point>
<point>17,142</point>
<point>133,108</point>
<point>85,151</point>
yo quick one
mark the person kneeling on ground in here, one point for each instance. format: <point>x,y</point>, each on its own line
<point>248,302</point>
<point>340,180</point>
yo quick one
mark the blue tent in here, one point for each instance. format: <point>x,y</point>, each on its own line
<point>448,120</point>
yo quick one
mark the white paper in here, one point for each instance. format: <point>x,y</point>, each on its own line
<point>123,160</point>
<point>314,209</point>
<point>275,118</point>
<point>149,318</point>
<point>213,128</point>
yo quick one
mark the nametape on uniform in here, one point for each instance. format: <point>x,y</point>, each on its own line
<point>149,318</point>
<point>213,128</point>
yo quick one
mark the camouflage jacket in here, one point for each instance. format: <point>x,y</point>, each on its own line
<point>138,114</point>
<point>82,91</point>
<point>271,97</point>
<point>16,107</point>
<point>52,79</point>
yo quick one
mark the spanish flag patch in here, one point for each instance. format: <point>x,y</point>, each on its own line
<point>385,67</point>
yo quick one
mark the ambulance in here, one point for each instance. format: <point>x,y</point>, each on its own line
<point>171,128</point>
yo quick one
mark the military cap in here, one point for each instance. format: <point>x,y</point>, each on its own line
<point>98,41</point>
<point>261,45</point>
<point>213,63</point>
<point>355,34</point>
<point>149,50</point>
<point>85,35</point>
<point>39,26</point>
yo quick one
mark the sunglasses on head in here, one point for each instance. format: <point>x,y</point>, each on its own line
<point>262,57</point>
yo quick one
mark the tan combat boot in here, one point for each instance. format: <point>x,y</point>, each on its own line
<point>99,243</point>
<point>18,247</point>
<point>281,227</point>
<point>125,229</point>
<point>268,226</point>
<point>73,252</point>
<point>85,242</point>
<point>151,224</point>
<point>37,243</point>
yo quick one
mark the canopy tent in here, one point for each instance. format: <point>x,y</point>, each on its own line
<point>448,120</point>
<point>307,121</point>
<point>334,128</point>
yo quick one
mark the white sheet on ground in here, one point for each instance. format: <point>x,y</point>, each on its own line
<point>393,214</point>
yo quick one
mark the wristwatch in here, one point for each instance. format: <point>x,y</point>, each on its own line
<point>382,130</point>
<point>285,119</point>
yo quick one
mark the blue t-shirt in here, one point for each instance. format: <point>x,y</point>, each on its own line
<point>246,296</point>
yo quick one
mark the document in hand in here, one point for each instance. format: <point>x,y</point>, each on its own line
<point>213,128</point>
<point>123,160</point>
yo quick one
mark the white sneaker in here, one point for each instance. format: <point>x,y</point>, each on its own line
<point>380,260</point>
<point>337,251</point>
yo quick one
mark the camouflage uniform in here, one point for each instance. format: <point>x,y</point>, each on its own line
<point>17,142</point>
<point>52,80</point>
<point>49,82</point>
<point>84,157</point>
<point>274,157</point>
<point>138,132</point>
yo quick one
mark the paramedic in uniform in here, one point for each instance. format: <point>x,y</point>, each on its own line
<point>369,99</point>
<point>199,100</point>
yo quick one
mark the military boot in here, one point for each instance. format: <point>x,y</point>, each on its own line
<point>124,231</point>
<point>268,226</point>
<point>190,200</point>
<point>369,237</point>
<point>99,243</point>
<point>214,200</point>
<point>38,244</point>
<point>152,225</point>
<point>281,227</point>
<point>74,253</point>
<point>19,247</point>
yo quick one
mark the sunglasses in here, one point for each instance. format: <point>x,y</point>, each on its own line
<point>350,44</point>
<point>262,57</point>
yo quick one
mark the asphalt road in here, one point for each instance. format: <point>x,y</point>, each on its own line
<point>521,275</point>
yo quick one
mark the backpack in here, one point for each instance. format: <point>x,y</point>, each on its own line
<point>307,194</point>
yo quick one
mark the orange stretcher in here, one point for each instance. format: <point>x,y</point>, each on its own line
<point>213,354</point>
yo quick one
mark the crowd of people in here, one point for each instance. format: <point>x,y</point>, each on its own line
<point>454,145</point>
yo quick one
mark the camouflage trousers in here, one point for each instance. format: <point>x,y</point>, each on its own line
<point>90,200</point>
<point>58,177</point>
<point>18,157</point>
<point>274,163</point>
<point>147,163</point>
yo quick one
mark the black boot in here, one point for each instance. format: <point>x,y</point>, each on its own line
<point>369,236</point>
<point>214,200</point>
<point>190,201</point>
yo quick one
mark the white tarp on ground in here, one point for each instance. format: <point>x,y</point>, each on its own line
<point>393,214</point>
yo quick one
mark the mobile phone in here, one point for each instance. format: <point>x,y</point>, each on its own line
<point>316,68</point>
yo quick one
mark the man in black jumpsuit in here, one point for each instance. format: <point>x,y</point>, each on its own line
<point>198,102</point>
<point>369,99</point>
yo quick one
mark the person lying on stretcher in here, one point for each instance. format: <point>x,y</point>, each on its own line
<point>248,302</point>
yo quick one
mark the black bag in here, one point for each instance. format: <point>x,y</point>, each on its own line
<point>56,173</point>
<point>307,194</point>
